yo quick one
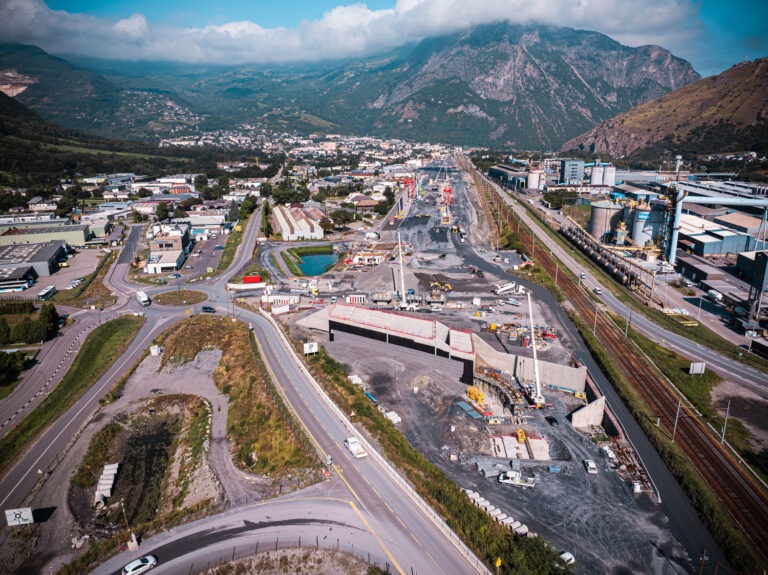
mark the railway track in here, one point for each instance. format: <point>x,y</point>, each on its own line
<point>742,498</point>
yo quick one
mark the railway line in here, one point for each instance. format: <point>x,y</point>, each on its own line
<point>743,499</point>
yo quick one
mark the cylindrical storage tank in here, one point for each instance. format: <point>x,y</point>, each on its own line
<point>641,231</point>
<point>609,176</point>
<point>596,179</point>
<point>605,218</point>
<point>533,181</point>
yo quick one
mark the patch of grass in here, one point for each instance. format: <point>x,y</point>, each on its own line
<point>97,455</point>
<point>263,441</point>
<point>311,250</point>
<point>183,297</point>
<point>273,259</point>
<point>230,248</point>
<point>102,347</point>
<point>291,264</point>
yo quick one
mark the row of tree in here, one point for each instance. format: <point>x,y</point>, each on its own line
<point>31,330</point>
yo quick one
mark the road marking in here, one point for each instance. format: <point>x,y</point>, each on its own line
<point>381,543</point>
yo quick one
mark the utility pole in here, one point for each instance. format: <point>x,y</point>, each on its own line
<point>677,416</point>
<point>725,423</point>
<point>594,327</point>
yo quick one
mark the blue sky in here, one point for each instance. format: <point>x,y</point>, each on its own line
<point>712,34</point>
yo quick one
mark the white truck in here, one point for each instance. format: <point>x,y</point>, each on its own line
<point>505,288</point>
<point>715,295</point>
<point>355,448</point>
<point>143,298</point>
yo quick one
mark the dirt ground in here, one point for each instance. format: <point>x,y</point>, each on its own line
<point>295,561</point>
<point>747,407</point>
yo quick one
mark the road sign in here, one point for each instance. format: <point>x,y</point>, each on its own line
<point>21,516</point>
<point>311,347</point>
<point>697,368</point>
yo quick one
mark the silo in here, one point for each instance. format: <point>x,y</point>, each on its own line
<point>533,180</point>
<point>596,179</point>
<point>641,229</point>
<point>609,176</point>
<point>605,218</point>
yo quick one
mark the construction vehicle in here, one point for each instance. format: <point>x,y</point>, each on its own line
<point>355,448</point>
<point>521,436</point>
<point>475,394</point>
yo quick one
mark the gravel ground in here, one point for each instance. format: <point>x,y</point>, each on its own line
<point>596,517</point>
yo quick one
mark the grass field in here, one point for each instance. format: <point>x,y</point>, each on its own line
<point>183,297</point>
<point>100,350</point>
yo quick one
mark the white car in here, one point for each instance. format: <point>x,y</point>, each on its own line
<point>141,565</point>
<point>598,291</point>
<point>590,466</point>
<point>583,276</point>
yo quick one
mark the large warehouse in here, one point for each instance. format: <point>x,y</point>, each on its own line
<point>42,257</point>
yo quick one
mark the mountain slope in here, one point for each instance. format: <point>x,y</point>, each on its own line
<point>497,84</point>
<point>56,90</point>
<point>728,112</point>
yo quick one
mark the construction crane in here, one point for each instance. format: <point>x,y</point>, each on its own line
<point>538,397</point>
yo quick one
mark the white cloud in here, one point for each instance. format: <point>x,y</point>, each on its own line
<point>345,31</point>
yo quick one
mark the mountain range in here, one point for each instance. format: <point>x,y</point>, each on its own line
<point>727,112</point>
<point>499,85</point>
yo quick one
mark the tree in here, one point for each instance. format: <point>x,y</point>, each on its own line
<point>161,211</point>
<point>342,217</point>
<point>201,181</point>
<point>144,193</point>
<point>247,207</point>
<point>49,320</point>
<point>326,224</point>
<point>179,212</point>
<point>5,331</point>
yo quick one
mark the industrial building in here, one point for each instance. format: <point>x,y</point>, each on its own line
<point>43,258</point>
<point>74,235</point>
<point>571,171</point>
<point>17,279</point>
<point>294,224</point>
<point>434,337</point>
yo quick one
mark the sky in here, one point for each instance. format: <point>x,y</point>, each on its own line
<point>712,34</point>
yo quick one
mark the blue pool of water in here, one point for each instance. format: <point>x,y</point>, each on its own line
<point>315,265</point>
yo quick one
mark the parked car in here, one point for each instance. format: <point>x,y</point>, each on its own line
<point>590,466</point>
<point>208,309</point>
<point>141,565</point>
<point>218,247</point>
<point>174,276</point>
<point>189,267</point>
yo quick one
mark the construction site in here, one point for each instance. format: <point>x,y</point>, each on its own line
<point>478,372</point>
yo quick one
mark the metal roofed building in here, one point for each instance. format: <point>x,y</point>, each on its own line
<point>74,235</point>
<point>17,279</point>
<point>740,222</point>
<point>42,257</point>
